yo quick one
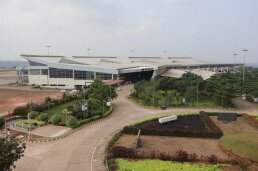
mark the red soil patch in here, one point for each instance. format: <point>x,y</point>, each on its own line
<point>11,98</point>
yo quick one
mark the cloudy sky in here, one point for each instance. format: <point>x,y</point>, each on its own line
<point>206,29</point>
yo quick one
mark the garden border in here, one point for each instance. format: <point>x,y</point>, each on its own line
<point>106,116</point>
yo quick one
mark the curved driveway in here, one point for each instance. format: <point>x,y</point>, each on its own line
<point>84,150</point>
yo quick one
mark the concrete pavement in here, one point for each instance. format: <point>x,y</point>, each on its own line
<point>84,150</point>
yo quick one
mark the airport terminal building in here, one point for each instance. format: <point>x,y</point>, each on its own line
<point>79,71</point>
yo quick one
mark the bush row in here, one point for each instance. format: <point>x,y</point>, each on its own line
<point>180,156</point>
<point>212,132</point>
<point>94,118</point>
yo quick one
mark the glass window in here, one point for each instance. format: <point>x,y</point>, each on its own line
<point>44,71</point>
<point>83,75</point>
<point>60,73</point>
<point>24,72</point>
<point>114,76</point>
<point>34,71</point>
<point>104,76</point>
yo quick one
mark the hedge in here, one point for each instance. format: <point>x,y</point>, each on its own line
<point>72,122</point>
<point>94,118</point>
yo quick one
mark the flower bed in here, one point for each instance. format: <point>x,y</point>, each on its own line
<point>185,126</point>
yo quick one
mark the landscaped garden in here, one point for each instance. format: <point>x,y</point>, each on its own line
<point>192,91</point>
<point>192,125</point>
<point>71,111</point>
<point>191,142</point>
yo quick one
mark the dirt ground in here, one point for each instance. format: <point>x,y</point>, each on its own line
<point>11,98</point>
<point>8,76</point>
<point>235,126</point>
<point>200,146</point>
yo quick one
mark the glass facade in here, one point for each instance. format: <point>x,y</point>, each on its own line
<point>44,71</point>
<point>83,75</point>
<point>60,73</point>
<point>34,71</point>
<point>104,76</point>
<point>114,76</point>
<point>24,72</point>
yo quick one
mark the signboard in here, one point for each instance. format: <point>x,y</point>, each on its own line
<point>227,117</point>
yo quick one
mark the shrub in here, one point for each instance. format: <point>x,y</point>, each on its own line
<point>55,119</point>
<point>21,111</point>
<point>72,122</point>
<point>33,106</point>
<point>2,121</point>
<point>213,159</point>
<point>33,114</point>
<point>182,156</point>
<point>120,151</point>
<point>43,117</point>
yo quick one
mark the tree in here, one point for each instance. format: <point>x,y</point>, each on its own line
<point>191,94</point>
<point>11,151</point>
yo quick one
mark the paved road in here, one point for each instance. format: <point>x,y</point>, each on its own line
<point>84,150</point>
<point>245,106</point>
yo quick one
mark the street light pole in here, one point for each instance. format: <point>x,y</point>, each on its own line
<point>48,49</point>
<point>88,50</point>
<point>132,52</point>
<point>235,55</point>
<point>245,50</point>
<point>165,53</point>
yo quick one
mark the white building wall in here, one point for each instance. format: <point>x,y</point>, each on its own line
<point>68,82</point>
<point>37,79</point>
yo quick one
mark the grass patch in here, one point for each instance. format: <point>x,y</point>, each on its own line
<point>159,165</point>
<point>243,144</point>
<point>59,109</point>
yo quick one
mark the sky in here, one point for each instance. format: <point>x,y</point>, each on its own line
<point>205,29</point>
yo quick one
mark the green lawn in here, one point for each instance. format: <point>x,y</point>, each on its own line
<point>243,144</point>
<point>159,165</point>
<point>59,109</point>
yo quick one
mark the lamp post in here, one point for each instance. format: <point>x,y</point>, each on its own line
<point>132,52</point>
<point>235,55</point>
<point>48,49</point>
<point>165,53</point>
<point>88,50</point>
<point>245,51</point>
